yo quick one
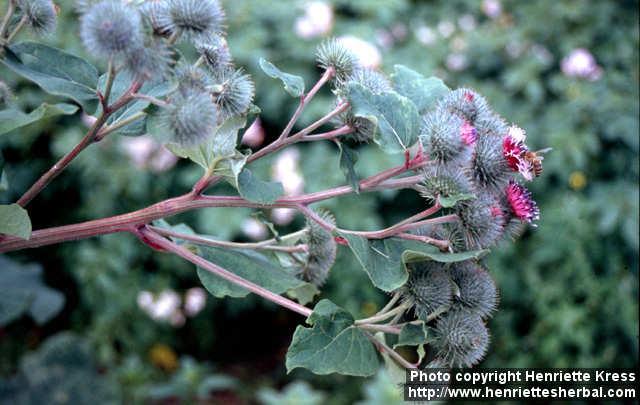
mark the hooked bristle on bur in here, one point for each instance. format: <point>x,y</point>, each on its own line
<point>215,53</point>
<point>465,103</point>
<point>477,290</point>
<point>374,81</point>
<point>483,225</point>
<point>441,136</point>
<point>150,62</point>
<point>191,119</point>
<point>461,340</point>
<point>489,168</point>
<point>191,79</point>
<point>40,15</point>
<point>332,54</point>
<point>196,19</point>
<point>491,125</point>
<point>156,14</point>
<point>321,250</point>
<point>236,95</point>
<point>111,28</point>
<point>428,288</point>
<point>444,181</point>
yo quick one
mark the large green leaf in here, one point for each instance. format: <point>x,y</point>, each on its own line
<point>253,189</point>
<point>248,264</point>
<point>348,159</point>
<point>333,344</point>
<point>14,220</point>
<point>294,85</point>
<point>424,92</point>
<point>24,292</point>
<point>55,71</point>
<point>12,118</point>
<point>384,260</point>
<point>412,334</point>
<point>395,116</point>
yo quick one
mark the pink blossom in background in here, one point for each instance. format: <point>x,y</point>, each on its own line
<point>492,8</point>
<point>165,307</point>
<point>195,300</point>
<point>581,63</point>
<point>254,229</point>
<point>286,170</point>
<point>145,153</point>
<point>254,135</point>
<point>426,35</point>
<point>368,54</point>
<point>316,21</point>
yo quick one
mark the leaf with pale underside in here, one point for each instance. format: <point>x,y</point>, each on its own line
<point>294,85</point>
<point>333,344</point>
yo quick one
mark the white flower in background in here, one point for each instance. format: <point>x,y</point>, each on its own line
<point>254,229</point>
<point>581,63</point>
<point>458,44</point>
<point>515,48</point>
<point>456,62</point>
<point>285,170</point>
<point>195,300</point>
<point>492,8</point>
<point>145,153</point>
<point>165,307</point>
<point>426,35</point>
<point>316,21</point>
<point>467,22</point>
<point>368,54</point>
<point>88,120</point>
<point>254,135</point>
<point>385,39</point>
<point>446,28</point>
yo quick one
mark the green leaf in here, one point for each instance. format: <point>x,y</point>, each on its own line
<point>23,291</point>
<point>424,92</point>
<point>384,260</point>
<point>395,116</point>
<point>12,118</point>
<point>412,334</point>
<point>55,71</point>
<point>304,294</point>
<point>253,189</point>
<point>248,264</point>
<point>450,201</point>
<point>14,220</point>
<point>332,345</point>
<point>348,159</point>
<point>420,254</point>
<point>380,259</point>
<point>294,85</point>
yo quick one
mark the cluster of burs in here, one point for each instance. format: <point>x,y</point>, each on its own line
<point>139,37</point>
<point>474,158</point>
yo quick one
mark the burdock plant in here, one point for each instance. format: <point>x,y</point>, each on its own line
<point>451,148</point>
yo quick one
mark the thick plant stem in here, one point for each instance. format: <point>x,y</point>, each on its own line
<point>441,244</point>
<point>111,75</point>
<point>304,100</point>
<point>17,29</point>
<point>185,253</point>
<point>87,140</point>
<point>173,206</point>
<point>391,303</point>
<point>11,8</point>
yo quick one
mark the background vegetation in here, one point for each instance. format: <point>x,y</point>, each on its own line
<point>569,288</point>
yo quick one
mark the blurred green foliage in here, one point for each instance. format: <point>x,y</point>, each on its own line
<point>569,288</point>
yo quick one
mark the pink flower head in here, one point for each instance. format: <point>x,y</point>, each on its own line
<point>513,150</point>
<point>521,203</point>
<point>468,96</point>
<point>496,211</point>
<point>468,133</point>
